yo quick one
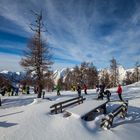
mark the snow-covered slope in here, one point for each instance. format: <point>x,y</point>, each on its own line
<point>23,119</point>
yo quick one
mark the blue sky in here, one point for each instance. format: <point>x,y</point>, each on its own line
<point>79,30</point>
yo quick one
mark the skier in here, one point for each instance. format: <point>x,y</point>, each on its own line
<point>58,90</point>
<point>12,91</point>
<point>27,90</point>
<point>16,91</point>
<point>119,91</point>
<point>9,91</point>
<point>85,89</point>
<point>79,90</point>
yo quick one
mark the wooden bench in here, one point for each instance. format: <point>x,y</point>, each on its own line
<point>58,107</point>
<point>85,110</point>
<point>121,110</point>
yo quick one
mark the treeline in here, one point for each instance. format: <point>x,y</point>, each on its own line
<point>88,74</point>
<point>85,73</point>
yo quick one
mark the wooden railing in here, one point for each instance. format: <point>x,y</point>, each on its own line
<point>121,110</point>
<point>58,107</point>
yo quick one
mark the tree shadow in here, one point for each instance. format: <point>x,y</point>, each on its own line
<point>11,114</point>
<point>55,97</point>
<point>8,103</point>
<point>7,124</point>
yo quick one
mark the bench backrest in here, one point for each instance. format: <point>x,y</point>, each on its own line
<point>66,101</point>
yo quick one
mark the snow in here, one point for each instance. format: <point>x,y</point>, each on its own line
<point>25,118</point>
<point>84,108</point>
<point>4,72</point>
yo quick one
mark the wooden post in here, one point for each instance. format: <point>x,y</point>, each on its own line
<point>55,109</point>
<point>104,109</point>
<point>0,101</point>
<point>82,99</point>
<point>61,108</point>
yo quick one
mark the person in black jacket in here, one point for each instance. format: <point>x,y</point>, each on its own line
<point>101,92</point>
<point>79,90</point>
<point>108,94</point>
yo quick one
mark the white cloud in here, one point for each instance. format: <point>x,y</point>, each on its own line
<point>71,20</point>
<point>10,62</point>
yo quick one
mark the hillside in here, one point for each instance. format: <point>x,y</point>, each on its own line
<point>22,118</point>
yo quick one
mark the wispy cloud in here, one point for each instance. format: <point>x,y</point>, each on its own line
<point>10,62</point>
<point>81,30</point>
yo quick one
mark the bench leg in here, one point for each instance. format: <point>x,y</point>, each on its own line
<point>104,109</point>
<point>0,101</point>
<point>55,110</point>
<point>61,108</point>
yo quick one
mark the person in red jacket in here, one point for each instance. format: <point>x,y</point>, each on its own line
<point>119,91</point>
<point>85,89</point>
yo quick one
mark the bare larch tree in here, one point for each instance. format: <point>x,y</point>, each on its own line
<point>37,56</point>
<point>114,72</point>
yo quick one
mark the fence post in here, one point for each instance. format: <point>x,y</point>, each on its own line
<point>0,101</point>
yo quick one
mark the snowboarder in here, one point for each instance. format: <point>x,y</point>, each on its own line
<point>85,89</point>
<point>79,90</point>
<point>119,91</point>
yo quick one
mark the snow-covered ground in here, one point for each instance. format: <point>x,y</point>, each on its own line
<point>24,118</point>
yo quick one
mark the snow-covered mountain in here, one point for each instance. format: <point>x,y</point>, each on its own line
<point>13,76</point>
<point>57,74</point>
<point>62,73</point>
